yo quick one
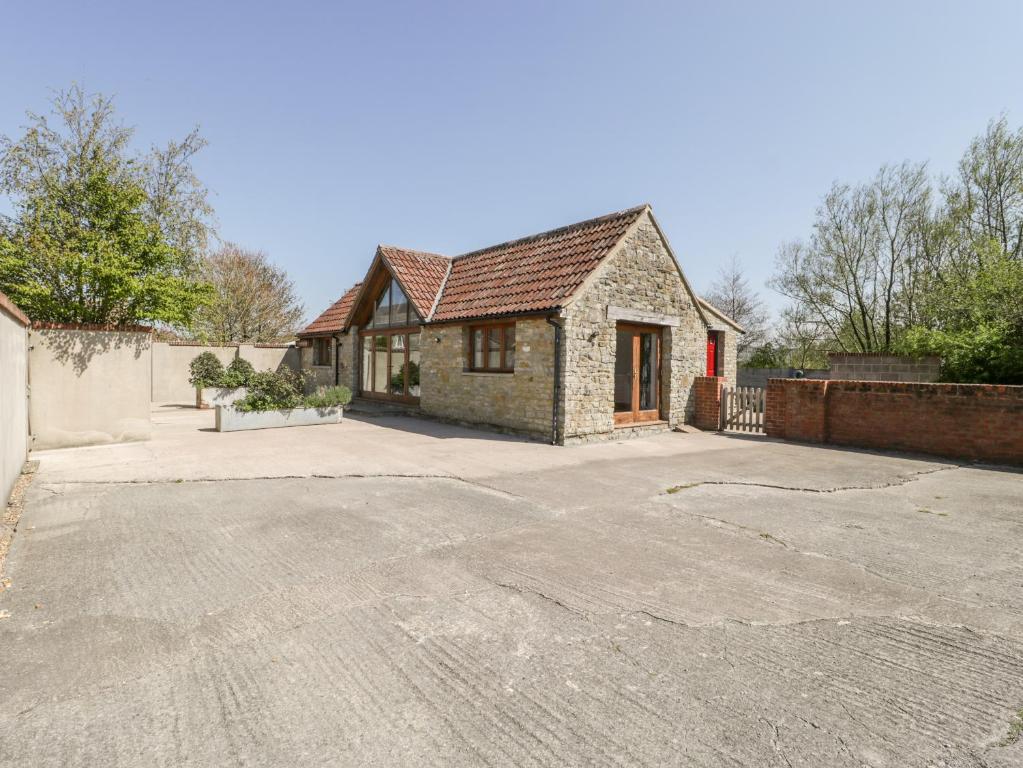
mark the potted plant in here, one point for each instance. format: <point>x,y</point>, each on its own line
<point>215,385</point>
<point>205,371</point>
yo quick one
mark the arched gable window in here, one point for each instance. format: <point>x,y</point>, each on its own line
<point>392,308</point>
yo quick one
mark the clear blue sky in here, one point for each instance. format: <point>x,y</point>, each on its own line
<point>449,126</point>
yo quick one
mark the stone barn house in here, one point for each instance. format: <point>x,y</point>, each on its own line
<point>585,332</point>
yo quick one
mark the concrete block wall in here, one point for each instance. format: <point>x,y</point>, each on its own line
<point>14,437</point>
<point>965,421</point>
<point>876,367</point>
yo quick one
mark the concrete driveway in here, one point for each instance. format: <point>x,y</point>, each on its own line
<point>395,592</point>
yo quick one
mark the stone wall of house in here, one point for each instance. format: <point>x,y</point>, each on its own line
<point>729,364</point>
<point>348,360</point>
<point>316,376</point>
<point>319,376</point>
<point>519,401</point>
<point>642,276</point>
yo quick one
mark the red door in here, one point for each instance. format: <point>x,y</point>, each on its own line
<point>712,353</point>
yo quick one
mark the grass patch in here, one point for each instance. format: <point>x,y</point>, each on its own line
<point>677,488</point>
<point>1015,731</point>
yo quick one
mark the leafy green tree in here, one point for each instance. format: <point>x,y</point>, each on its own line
<point>767,355</point>
<point>99,235</point>
<point>976,324</point>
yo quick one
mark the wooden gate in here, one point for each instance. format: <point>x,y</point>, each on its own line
<point>742,409</point>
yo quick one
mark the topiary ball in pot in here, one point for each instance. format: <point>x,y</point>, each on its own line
<point>238,373</point>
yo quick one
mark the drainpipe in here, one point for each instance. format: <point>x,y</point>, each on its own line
<point>558,325</point>
<point>337,359</point>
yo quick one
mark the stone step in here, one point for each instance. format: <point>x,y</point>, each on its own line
<point>367,407</point>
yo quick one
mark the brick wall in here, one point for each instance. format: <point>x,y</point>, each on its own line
<point>707,391</point>
<point>874,367</point>
<point>968,421</point>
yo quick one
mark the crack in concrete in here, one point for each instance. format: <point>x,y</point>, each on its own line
<point>522,590</point>
<point>901,481</point>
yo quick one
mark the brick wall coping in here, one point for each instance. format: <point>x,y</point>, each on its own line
<point>11,309</point>
<point>41,326</point>
<point>229,344</point>
<point>197,344</point>
<point>949,388</point>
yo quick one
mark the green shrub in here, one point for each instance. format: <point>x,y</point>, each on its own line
<point>272,391</point>
<point>205,371</point>
<point>238,373</point>
<point>328,398</point>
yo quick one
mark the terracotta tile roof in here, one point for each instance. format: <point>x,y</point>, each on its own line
<point>335,316</point>
<point>422,274</point>
<point>531,274</point>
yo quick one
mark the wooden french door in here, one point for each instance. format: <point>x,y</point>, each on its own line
<point>390,364</point>
<point>637,374</point>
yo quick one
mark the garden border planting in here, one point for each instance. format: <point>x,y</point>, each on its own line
<point>232,420</point>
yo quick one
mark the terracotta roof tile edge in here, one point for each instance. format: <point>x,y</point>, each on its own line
<point>413,250</point>
<point>357,287</point>
<point>557,230</point>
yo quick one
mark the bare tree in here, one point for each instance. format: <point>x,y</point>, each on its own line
<point>176,198</point>
<point>858,275</point>
<point>732,294</point>
<point>985,199</point>
<point>802,340</point>
<point>254,301</point>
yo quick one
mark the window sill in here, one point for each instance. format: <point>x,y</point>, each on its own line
<point>487,373</point>
<point>327,365</point>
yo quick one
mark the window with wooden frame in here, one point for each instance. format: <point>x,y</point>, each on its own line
<point>321,351</point>
<point>492,348</point>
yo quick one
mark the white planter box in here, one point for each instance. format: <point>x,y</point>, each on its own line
<point>231,420</point>
<point>211,397</point>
